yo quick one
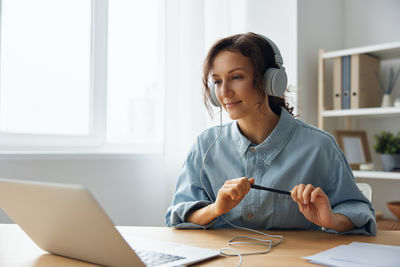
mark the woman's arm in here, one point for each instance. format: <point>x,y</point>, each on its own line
<point>315,206</point>
<point>203,216</point>
<point>229,196</point>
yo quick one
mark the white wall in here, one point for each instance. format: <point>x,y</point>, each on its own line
<point>129,188</point>
<point>370,22</point>
<point>320,26</point>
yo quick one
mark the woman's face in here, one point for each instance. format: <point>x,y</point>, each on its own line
<point>233,76</point>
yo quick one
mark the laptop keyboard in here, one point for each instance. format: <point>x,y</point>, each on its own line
<point>153,258</point>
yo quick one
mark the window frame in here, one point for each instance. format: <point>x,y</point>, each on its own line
<point>98,83</point>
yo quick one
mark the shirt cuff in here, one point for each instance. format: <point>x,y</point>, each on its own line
<point>178,215</point>
<point>359,214</point>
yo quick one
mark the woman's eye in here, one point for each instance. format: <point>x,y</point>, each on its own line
<point>237,77</point>
<point>217,82</point>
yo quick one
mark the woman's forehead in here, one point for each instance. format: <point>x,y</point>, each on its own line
<point>228,61</point>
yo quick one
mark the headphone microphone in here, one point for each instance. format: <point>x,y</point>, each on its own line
<point>274,78</point>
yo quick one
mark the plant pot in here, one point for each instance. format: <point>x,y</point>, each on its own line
<point>386,100</point>
<point>390,162</point>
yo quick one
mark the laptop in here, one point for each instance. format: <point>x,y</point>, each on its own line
<point>66,220</point>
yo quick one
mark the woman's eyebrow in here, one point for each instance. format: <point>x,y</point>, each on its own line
<point>232,70</point>
<point>238,68</point>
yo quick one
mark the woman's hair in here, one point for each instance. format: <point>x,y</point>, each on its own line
<point>261,55</point>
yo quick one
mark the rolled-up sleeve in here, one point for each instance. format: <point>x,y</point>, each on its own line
<point>176,215</point>
<point>348,200</point>
<point>189,193</point>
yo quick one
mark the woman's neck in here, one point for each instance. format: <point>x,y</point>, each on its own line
<point>258,128</point>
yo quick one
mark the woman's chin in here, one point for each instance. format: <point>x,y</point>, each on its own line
<point>234,115</point>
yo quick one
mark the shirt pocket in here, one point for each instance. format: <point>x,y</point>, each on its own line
<point>286,214</point>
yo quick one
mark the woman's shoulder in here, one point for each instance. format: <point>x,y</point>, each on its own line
<point>209,135</point>
<point>315,135</point>
<point>206,138</point>
<point>214,131</point>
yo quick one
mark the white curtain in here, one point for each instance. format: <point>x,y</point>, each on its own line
<point>191,26</point>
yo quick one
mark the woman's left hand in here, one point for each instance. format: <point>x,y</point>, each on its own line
<point>313,204</point>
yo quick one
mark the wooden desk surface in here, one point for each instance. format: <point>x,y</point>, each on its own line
<point>16,249</point>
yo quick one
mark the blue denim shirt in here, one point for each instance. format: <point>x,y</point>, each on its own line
<point>294,153</point>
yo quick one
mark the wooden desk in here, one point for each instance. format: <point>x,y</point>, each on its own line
<point>16,249</point>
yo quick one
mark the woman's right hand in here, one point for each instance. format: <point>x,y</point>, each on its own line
<point>231,193</point>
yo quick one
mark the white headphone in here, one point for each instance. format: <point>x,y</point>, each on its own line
<point>275,78</point>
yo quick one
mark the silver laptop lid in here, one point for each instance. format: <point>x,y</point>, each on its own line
<point>65,220</point>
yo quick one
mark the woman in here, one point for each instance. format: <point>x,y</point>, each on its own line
<point>263,145</point>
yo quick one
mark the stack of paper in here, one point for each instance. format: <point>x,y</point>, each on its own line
<point>358,254</point>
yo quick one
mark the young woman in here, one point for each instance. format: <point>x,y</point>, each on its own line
<point>267,146</point>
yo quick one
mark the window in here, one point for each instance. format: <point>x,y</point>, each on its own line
<point>134,99</point>
<point>64,82</point>
<point>45,58</point>
<point>46,86</point>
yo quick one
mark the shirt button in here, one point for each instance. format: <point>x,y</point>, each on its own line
<point>252,149</point>
<point>250,215</point>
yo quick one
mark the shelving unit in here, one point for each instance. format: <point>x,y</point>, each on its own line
<point>377,175</point>
<point>363,112</point>
<point>382,51</point>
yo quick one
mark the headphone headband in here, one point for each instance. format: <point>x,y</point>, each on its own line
<point>278,58</point>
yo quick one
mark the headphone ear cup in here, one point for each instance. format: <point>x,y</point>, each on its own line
<point>213,99</point>
<point>275,81</point>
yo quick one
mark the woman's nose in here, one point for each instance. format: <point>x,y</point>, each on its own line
<point>225,90</point>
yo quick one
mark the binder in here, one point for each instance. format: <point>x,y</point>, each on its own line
<point>354,82</point>
<point>346,82</point>
<point>337,83</point>
<point>365,90</point>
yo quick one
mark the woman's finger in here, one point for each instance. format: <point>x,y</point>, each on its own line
<point>242,185</point>
<point>293,193</point>
<point>318,192</point>
<point>300,190</point>
<point>307,194</point>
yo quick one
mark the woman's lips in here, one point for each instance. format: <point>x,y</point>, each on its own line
<point>232,104</point>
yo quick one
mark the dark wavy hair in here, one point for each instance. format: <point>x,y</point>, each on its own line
<point>261,55</point>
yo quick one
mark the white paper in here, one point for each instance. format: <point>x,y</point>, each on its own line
<point>324,258</point>
<point>359,254</point>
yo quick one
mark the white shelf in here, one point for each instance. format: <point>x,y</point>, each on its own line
<point>377,175</point>
<point>383,51</point>
<point>370,112</point>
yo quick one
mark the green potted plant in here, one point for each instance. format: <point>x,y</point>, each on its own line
<point>388,145</point>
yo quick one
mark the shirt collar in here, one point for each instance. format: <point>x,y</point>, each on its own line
<point>240,140</point>
<point>273,144</point>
